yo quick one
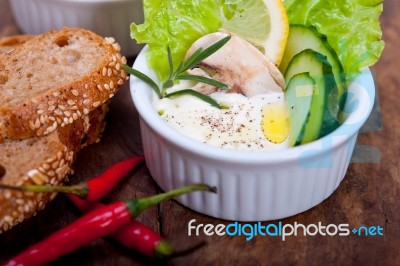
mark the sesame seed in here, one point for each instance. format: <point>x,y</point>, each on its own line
<point>120,82</point>
<point>71,120</point>
<point>36,180</point>
<point>7,194</point>
<point>32,172</point>
<point>65,120</point>
<point>111,85</point>
<point>75,116</point>
<point>39,112</point>
<point>5,226</point>
<point>111,95</point>
<point>20,201</point>
<point>116,47</point>
<point>118,66</point>
<point>71,102</point>
<point>67,113</point>
<point>54,125</point>
<point>86,87</point>
<point>37,123</point>
<point>31,125</point>
<point>85,111</point>
<point>50,129</point>
<point>35,101</point>
<point>115,72</point>
<point>54,165</point>
<point>110,40</point>
<point>75,92</point>
<point>109,72</point>
<point>106,86</point>
<point>51,108</point>
<point>51,102</point>
<point>104,72</point>
<point>56,94</point>
<point>99,87</point>
<point>62,107</point>
<point>42,120</point>
<point>111,64</point>
<point>123,60</point>
<point>96,104</point>
<point>123,74</point>
<point>8,219</point>
<point>114,58</point>
<point>58,112</point>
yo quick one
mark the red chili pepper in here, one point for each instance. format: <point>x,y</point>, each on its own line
<point>95,188</point>
<point>102,184</point>
<point>133,235</point>
<point>94,225</point>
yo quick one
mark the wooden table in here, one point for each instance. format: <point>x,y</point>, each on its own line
<point>369,194</point>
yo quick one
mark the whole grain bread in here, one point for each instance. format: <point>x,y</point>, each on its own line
<point>45,160</point>
<point>41,160</point>
<point>53,79</point>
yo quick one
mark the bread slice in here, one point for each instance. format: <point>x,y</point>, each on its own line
<point>55,78</point>
<point>45,160</point>
<point>41,160</point>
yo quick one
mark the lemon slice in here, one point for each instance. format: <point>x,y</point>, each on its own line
<point>263,23</point>
<point>275,122</point>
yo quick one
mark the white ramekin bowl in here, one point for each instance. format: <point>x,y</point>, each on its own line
<point>108,18</point>
<point>252,186</point>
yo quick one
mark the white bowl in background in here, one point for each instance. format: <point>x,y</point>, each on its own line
<point>108,18</point>
<point>252,186</point>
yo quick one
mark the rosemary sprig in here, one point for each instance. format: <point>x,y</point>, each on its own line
<point>180,74</point>
<point>197,94</point>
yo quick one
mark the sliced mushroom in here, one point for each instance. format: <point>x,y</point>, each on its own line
<point>238,64</point>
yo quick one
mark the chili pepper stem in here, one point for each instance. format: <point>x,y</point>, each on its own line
<point>137,206</point>
<point>163,249</point>
<point>80,190</point>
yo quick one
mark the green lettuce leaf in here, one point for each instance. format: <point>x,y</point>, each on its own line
<point>177,24</point>
<point>352,28</point>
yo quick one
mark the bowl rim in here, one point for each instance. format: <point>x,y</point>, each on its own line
<point>139,89</point>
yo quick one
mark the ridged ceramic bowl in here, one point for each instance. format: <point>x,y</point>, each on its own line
<point>108,18</point>
<point>252,186</point>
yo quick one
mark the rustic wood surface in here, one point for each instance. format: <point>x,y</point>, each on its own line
<point>368,195</point>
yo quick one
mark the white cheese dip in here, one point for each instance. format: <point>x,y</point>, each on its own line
<point>238,127</point>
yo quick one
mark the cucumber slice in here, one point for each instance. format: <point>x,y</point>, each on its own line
<point>301,38</point>
<point>325,102</point>
<point>298,95</point>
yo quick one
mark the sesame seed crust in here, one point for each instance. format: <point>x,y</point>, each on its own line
<point>62,105</point>
<point>54,156</point>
